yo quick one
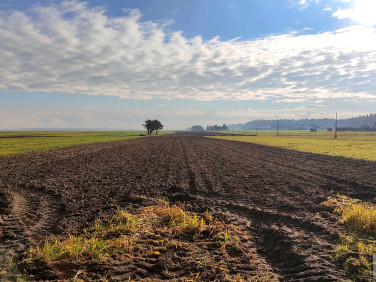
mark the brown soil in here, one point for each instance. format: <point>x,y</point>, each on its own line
<point>273,194</point>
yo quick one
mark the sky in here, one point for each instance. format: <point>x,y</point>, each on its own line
<point>116,63</point>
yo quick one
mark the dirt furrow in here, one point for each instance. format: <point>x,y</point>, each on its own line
<point>330,172</point>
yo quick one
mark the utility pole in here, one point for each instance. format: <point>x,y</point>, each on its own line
<point>277,128</point>
<point>232,126</point>
<point>335,129</point>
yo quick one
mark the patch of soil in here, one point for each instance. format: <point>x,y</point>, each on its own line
<point>273,194</point>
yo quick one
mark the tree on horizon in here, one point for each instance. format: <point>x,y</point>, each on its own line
<point>153,125</point>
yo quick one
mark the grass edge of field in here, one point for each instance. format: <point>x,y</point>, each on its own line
<point>79,138</point>
<point>305,144</point>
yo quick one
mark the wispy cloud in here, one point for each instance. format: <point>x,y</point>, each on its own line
<point>72,48</point>
<point>287,113</point>
<point>305,3</point>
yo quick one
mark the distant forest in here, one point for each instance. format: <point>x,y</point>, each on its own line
<point>363,122</point>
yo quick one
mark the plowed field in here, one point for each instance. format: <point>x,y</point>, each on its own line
<point>272,194</point>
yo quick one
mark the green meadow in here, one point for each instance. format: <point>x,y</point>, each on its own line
<point>17,142</point>
<point>351,144</point>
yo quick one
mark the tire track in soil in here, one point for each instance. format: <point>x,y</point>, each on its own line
<point>38,212</point>
<point>31,215</point>
<point>5,271</point>
<point>271,193</point>
<point>282,241</point>
<point>281,237</point>
<point>279,245</point>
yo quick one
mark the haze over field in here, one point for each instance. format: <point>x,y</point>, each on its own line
<point>113,64</point>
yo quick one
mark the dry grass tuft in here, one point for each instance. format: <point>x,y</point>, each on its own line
<point>175,219</point>
<point>150,232</point>
<point>157,231</point>
<point>355,251</point>
<point>160,231</point>
<point>356,215</point>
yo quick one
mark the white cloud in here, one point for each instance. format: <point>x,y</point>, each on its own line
<point>75,49</point>
<point>305,3</point>
<point>343,14</point>
<point>363,12</point>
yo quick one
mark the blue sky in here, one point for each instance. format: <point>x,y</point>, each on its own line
<point>116,63</point>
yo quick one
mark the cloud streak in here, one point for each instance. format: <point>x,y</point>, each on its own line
<point>305,3</point>
<point>72,48</point>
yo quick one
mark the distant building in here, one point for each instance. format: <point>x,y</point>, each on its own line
<point>197,128</point>
<point>304,127</point>
<point>262,127</point>
<point>217,128</point>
